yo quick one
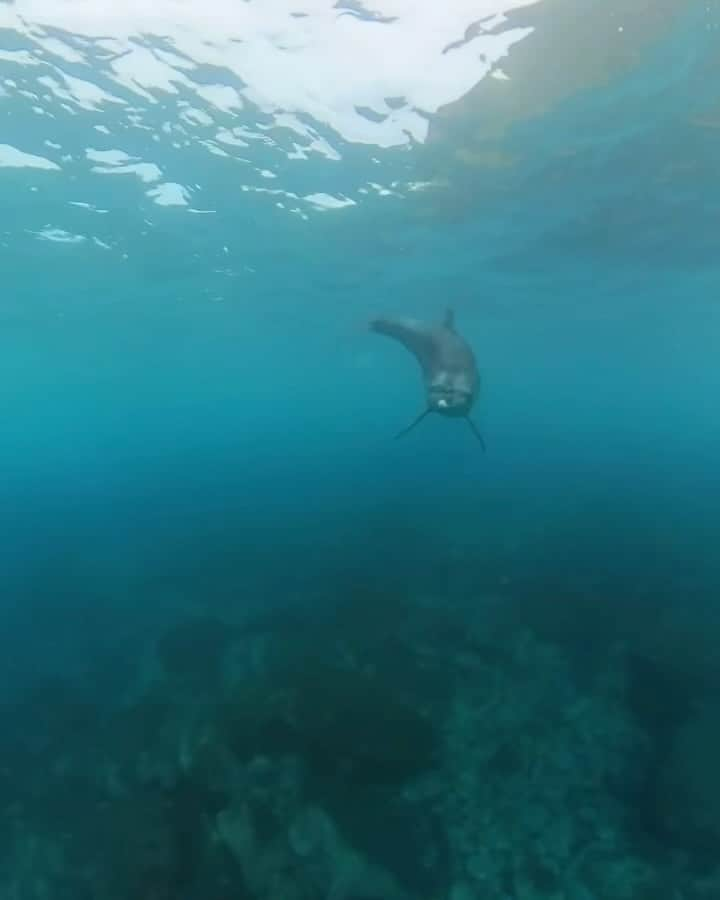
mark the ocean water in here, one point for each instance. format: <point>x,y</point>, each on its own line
<point>254,648</point>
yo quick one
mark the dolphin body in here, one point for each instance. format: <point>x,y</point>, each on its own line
<point>447,362</point>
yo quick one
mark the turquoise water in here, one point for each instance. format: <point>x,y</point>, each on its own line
<point>253,648</point>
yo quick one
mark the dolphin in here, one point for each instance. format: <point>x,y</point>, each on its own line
<point>447,362</point>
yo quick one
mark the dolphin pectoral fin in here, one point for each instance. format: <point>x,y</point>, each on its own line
<point>477,434</point>
<point>412,425</point>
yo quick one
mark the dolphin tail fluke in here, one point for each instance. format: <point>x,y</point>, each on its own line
<point>413,335</point>
<point>476,432</point>
<point>412,425</point>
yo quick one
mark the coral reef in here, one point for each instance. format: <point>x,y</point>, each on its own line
<point>529,767</point>
<point>435,756</point>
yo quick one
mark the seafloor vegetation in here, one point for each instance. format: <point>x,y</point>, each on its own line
<point>372,748</point>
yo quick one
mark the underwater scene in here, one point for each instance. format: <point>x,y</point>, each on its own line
<point>359,487</point>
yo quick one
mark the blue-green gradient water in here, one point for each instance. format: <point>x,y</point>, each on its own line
<point>252,647</point>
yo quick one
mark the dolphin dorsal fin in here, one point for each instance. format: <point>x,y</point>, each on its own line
<point>449,320</point>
